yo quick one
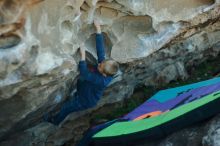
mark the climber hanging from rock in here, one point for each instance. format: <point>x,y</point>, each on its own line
<point>91,84</point>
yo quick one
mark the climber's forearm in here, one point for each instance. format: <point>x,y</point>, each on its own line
<point>98,27</point>
<point>82,52</point>
<point>98,30</point>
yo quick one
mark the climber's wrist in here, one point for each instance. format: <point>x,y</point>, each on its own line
<point>82,52</point>
<point>98,30</point>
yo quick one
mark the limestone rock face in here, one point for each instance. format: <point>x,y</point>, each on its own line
<point>153,40</point>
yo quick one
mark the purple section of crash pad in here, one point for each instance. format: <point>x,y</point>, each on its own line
<point>154,105</point>
<point>190,96</point>
<point>203,92</point>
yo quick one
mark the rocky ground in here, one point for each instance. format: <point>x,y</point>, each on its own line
<point>206,70</point>
<point>204,133</point>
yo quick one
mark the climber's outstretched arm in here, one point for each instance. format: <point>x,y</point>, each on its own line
<point>99,42</point>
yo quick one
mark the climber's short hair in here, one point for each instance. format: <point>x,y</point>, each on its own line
<point>111,67</point>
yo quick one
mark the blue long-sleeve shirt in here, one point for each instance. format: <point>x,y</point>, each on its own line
<point>91,88</point>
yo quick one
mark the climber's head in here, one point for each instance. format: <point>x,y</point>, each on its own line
<point>108,67</point>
